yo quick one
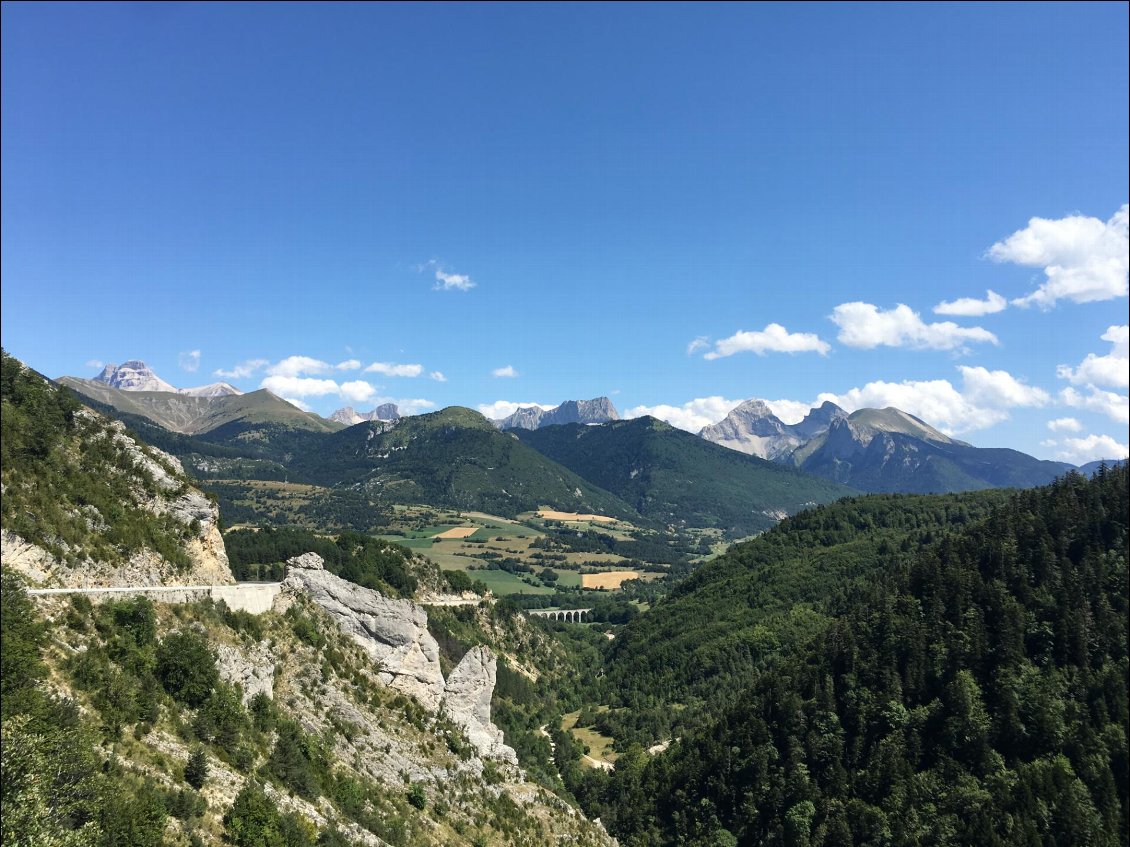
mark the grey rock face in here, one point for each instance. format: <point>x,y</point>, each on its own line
<point>253,669</point>
<point>393,632</point>
<point>466,700</point>
<point>596,411</point>
<point>133,375</point>
<point>753,428</point>
<point>349,416</point>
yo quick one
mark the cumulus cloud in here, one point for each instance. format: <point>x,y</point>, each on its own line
<point>297,386</point>
<point>505,371</point>
<point>866,326</point>
<point>1090,448</point>
<point>700,343</point>
<point>448,281</point>
<point>1065,425</point>
<point>294,401</point>
<point>348,365</point>
<point>691,416</point>
<point>357,391</point>
<point>500,409</point>
<point>999,389</point>
<point>393,369</point>
<point>773,339</point>
<point>1084,259</point>
<point>189,361</point>
<point>293,366</point>
<point>241,371</point>
<point>984,400</point>
<point>409,405</point>
<point>1111,370</point>
<point>1114,406</point>
<point>438,376</point>
<point>971,307</point>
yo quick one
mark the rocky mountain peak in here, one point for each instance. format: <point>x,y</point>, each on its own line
<point>133,375</point>
<point>819,419</point>
<point>387,412</point>
<point>596,411</point>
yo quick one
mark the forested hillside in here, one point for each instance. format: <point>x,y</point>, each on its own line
<point>972,693</point>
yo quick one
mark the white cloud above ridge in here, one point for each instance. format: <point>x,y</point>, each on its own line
<point>189,361</point>
<point>1109,371</point>
<point>1089,448</point>
<point>242,370</point>
<point>1084,259</point>
<point>296,366</point>
<point>971,307</point>
<point>395,370</point>
<point>357,391</point>
<point>96,364</point>
<point>505,372</point>
<point>298,386</point>
<point>773,339</point>
<point>866,326</point>
<point>690,416</point>
<point>1065,425</point>
<point>348,365</point>
<point>1114,406</point>
<point>437,376</point>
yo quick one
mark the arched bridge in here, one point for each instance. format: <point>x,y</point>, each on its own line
<point>568,615</point>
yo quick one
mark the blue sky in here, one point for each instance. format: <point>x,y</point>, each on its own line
<point>677,206</point>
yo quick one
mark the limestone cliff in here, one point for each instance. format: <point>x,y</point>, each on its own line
<point>395,634</point>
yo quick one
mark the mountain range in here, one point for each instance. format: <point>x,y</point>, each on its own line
<point>599,410</point>
<point>135,375</point>
<point>384,412</point>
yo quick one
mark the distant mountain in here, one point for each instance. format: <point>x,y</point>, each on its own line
<point>349,417</point>
<point>596,411</point>
<point>675,477</point>
<point>753,428</point>
<point>1092,467</point>
<point>887,450</point>
<point>135,375</point>
<point>454,458</point>
<point>192,414</point>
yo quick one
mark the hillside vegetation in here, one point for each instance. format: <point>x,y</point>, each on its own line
<point>679,479</point>
<point>974,692</point>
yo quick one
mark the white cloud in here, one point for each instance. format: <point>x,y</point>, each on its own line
<point>1065,425</point>
<point>865,326</point>
<point>1111,370</point>
<point>999,389</point>
<point>506,371</point>
<point>773,339</point>
<point>985,399</point>
<point>296,386</point>
<point>393,369</point>
<point>691,416</point>
<point>700,343</point>
<point>971,307</point>
<point>242,370</point>
<point>189,361</point>
<point>294,401</point>
<point>348,365</point>
<point>789,411</point>
<point>448,281</point>
<point>438,376</point>
<point>1083,258</point>
<point>97,364</point>
<point>1114,406</point>
<point>1089,449</point>
<point>293,366</point>
<point>357,391</point>
<point>500,409</point>
<point>409,405</point>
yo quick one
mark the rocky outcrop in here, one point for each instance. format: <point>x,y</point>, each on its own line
<point>466,700</point>
<point>384,412</point>
<point>752,428</point>
<point>596,411</point>
<point>393,632</point>
<point>133,375</point>
<point>251,668</point>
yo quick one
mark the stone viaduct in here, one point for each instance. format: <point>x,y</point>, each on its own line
<point>568,615</point>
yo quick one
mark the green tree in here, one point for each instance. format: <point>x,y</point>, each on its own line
<point>186,667</point>
<point>196,768</point>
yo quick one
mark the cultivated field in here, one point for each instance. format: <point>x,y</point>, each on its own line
<point>550,515</point>
<point>458,532</point>
<point>609,579</point>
